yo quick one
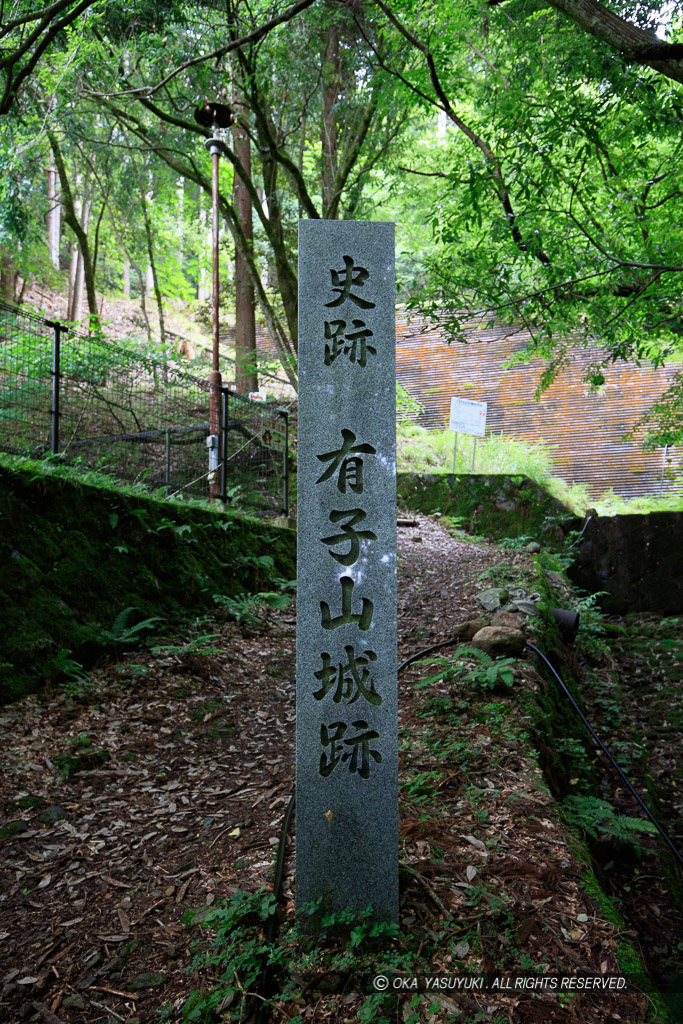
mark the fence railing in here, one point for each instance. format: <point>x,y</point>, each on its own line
<point>133,416</point>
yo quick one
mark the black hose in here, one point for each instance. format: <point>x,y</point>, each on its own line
<point>677,854</point>
<point>428,650</point>
<point>273,924</point>
<point>574,543</point>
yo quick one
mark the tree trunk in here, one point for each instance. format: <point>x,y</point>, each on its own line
<point>73,262</point>
<point>246,379</point>
<point>77,305</point>
<point>143,304</point>
<point>8,276</point>
<point>635,43</point>
<point>153,270</point>
<point>53,217</point>
<point>75,225</point>
<point>330,132</point>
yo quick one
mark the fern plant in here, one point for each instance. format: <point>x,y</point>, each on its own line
<point>123,635</point>
<point>489,673</point>
<point>598,819</point>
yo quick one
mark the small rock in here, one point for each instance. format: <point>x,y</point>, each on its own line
<point>76,1001</point>
<point>13,828</point>
<point>148,979</point>
<point>507,618</point>
<point>466,630</point>
<point>533,547</point>
<point>52,814</point>
<point>500,641</point>
<point>493,598</point>
<point>528,607</point>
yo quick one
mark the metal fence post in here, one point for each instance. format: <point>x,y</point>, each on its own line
<point>167,468</point>
<point>224,445</point>
<point>285,463</point>
<point>54,412</point>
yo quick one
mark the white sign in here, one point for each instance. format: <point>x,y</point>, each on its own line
<point>468,417</point>
<point>257,396</point>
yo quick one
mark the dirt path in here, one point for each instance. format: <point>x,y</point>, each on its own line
<point>159,785</point>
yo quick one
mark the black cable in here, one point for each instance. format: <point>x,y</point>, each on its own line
<point>428,650</point>
<point>581,534</point>
<point>273,922</point>
<point>677,854</point>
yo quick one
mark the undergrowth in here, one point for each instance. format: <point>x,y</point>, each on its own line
<point>431,451</point>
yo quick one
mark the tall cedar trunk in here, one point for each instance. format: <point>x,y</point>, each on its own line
<point>246,379</point>
<point>76,310</point>
<point>286,279</point>
<point>203,289</point>
<point>143,305</point>
<point>53,217</point>
<point>152,267</point>
<point>8,276</point>
<point>330,132</point>
<point>75,225</point>
<point>73,262</point>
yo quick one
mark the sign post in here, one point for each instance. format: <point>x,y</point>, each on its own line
<point>467,417</point>
<point>347,726</point>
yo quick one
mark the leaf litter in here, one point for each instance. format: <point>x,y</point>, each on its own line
<point>186,811</point>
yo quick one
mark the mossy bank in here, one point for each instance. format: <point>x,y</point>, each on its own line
<point>75,555</point>
<point>495,505</point>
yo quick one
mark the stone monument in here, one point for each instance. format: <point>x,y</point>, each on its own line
<point>346,724</point>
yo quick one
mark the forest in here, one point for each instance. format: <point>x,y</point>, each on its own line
<point>529,154</point>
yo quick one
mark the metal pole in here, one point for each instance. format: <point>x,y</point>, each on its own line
<point>56,351</point>
<point>283,412</point>
<point>474,449</point>
<point>455,449</point>
<point>225,392</point>
<point>215,380</point>
<point>167,474</point>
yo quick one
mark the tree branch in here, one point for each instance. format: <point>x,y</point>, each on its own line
<point>635,43</point>
<point>251,37</point>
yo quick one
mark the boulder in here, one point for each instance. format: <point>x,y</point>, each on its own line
<point>507,618</point>
<point>500,641</point>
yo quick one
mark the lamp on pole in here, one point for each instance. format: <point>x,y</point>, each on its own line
<point>214,116</point>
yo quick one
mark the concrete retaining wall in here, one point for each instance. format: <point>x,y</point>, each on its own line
<point>637,559</point>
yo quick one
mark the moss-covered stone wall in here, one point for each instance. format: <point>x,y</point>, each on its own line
<point>74,556</point>
<point>490,505</point>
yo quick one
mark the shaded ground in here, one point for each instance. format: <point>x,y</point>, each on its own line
<point>160,784</point>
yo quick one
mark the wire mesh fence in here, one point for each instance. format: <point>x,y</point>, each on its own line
<point>135,417</point>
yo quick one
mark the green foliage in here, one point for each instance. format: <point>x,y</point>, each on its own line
<point>120,634</point>
<point>65,586</point>
<point>244,607</point>
<point>197,645</point>
<point>599,819</point>
<point>487,674</point>
<point>407,407</point>
<point>66,666</point>
<point>238,953</point>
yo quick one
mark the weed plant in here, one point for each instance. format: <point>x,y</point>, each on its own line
<point>431,451</point>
